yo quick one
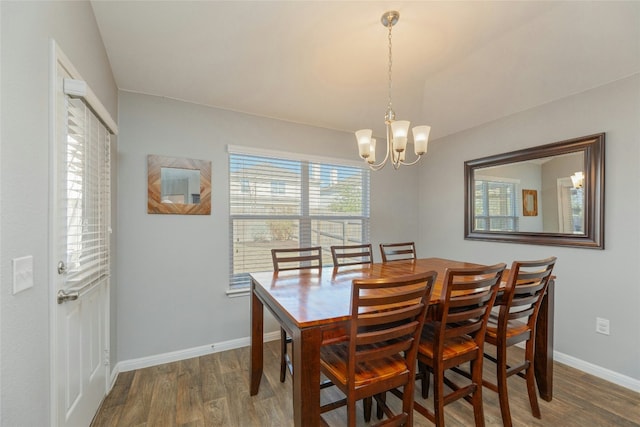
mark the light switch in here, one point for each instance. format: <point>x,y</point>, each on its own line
<point>22,273</point>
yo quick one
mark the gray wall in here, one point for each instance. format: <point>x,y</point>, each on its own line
<point>24,221</point>
<point>173,269</point>
<point>590,283</point>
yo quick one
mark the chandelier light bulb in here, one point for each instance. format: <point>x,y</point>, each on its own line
<point>372,152</point>
<point>400,130</point>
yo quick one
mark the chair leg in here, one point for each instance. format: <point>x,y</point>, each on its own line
<point>503,393</point>
<point>424,376</point>
<point>283,355</point>
<point>407,402</point>
<point>366,403</point>
<point>531,381</point>
<point>351,414</point>
<point>438,396</point>
<point>476,397</point>
<point>379,408</point>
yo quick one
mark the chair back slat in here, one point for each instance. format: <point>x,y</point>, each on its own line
<point>370,320</point>
<point>525,288</point>
<point>372,353</point>
<point>296,258</point>
<point>378,298</point>
<point>352,254</point>
<point>369,337</point>
<point>397,251</point>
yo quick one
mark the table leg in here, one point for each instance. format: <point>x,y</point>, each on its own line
<point>543,357</point>
<point>257,332</point>
<point>306,377</point>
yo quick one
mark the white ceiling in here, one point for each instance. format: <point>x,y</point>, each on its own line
<point>455,64</point>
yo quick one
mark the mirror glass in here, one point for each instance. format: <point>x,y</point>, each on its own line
<point>180,185</point>
<point>551,194</point>
<point>531,196</point>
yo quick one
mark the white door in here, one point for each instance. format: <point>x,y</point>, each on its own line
<point>81,254</point>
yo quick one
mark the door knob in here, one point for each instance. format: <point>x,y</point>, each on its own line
<point>63,296</point>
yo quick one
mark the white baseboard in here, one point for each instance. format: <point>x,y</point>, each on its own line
<point>145,362</point>
<point>174,356</point>
<point>598,371</point>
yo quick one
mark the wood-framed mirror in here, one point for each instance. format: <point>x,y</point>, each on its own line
<point>178,186</point>
<point>552,194</point>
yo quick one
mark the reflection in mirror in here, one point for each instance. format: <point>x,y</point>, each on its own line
<point>180,185</point>
<point>551,194</point>
<point>552,203</point>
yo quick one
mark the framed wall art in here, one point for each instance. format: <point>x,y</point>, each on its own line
<point>529,203</point>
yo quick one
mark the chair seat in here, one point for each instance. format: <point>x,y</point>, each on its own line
<point>514,328</point>
<point>453,347</point>
<point>334,359</point>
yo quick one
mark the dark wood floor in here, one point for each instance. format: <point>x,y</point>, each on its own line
<point>213,390</point>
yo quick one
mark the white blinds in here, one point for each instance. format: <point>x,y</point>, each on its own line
<point>281,202</point>
<point>85,196</point>
<point>496,204</point>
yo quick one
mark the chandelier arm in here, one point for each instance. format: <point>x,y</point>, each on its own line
<point>377,167</point>
<point>412,163</point>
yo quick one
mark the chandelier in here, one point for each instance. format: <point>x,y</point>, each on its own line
<point>397,130</point>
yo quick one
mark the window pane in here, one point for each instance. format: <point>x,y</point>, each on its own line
<point>254,239</point>
<point>264,186</point>
<point>577,210</point>
<point>327,233</point>
<point>335,190</point>
<point>279,203</point>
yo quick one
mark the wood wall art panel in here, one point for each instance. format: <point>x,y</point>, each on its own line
<point>180,197</point>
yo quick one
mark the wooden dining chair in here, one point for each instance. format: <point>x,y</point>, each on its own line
<point>397,251</point>
<point>293,259</point>
<point>514,323</point>
<point>455,336</point>
<point>352,254</point>
<point>386,318</point>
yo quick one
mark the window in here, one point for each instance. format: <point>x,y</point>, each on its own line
<point>85,196</point>
<point>495,206</point>
<point>278,201</point>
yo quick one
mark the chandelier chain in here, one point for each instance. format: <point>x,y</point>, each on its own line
<point>390,25</point>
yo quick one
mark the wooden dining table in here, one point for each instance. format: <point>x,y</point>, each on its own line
<point>313,307</point>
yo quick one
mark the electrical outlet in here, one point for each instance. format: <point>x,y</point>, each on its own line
<point>602,326</point>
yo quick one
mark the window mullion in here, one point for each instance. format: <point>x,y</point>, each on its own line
<point>305,221</point>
